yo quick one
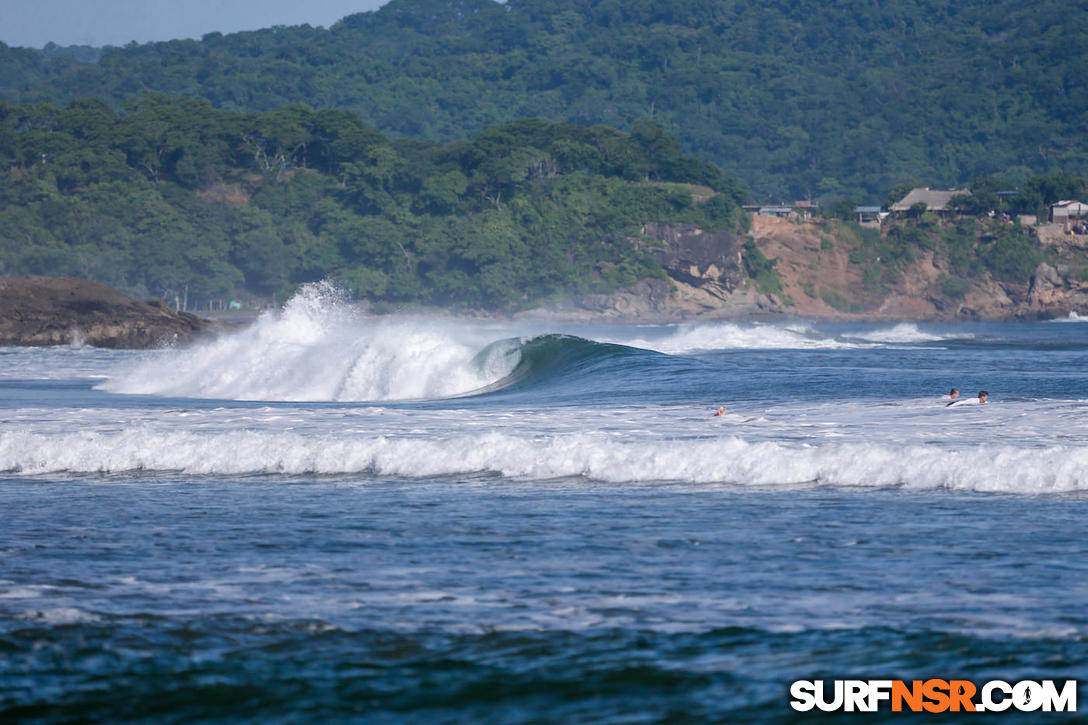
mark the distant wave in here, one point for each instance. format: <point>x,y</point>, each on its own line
<point>740,336</point>
<point>586,455</point>
<point>904,332</point>
<point>731,335</point>
<point>1071,317</point>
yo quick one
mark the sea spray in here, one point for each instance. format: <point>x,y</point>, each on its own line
<point>320,348</point>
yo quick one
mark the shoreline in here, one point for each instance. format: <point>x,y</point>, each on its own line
<point>45,311</point>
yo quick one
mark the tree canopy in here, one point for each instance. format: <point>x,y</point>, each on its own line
<point>169,195</point>
<point>803,99</point>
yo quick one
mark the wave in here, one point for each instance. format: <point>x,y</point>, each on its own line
<point>599,457</point>
<point>904,332</point>
<point>318,348</point>
<point>729,336</point>
<point>755,336</point>
<point>550,358</point>
<point>1071,317</point>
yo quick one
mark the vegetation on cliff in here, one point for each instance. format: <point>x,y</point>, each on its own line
<point>800,99</point>
<point>972,246</point>
<point>176,198</point>
<point>983,237</point>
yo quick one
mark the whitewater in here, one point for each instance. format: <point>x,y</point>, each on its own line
<point>554,507</point>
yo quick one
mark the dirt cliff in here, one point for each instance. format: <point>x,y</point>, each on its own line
<point>38,311</point>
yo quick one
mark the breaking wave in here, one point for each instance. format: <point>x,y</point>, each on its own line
<point>318,348</point>
<point>1071,317</point>
<point>730,335</point>
<point>551,358</point>
<point>703,337</point>
<point>593,456</point>
<point>904,332</point>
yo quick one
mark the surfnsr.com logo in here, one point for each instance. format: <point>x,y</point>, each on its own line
<point>933,696</point>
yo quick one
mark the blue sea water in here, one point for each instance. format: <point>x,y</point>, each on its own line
<point>328,518</point>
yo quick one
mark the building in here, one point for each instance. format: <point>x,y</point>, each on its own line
<point>935,200</point>
<point>1063,211</point>
<point>867,214</point>
<point>797,210</point>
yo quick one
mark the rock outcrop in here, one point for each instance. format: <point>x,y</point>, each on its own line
<point>36,311</point>
<point>705,279</point>
<point>1053,293</point>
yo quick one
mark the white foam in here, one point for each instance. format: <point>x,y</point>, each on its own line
<point>904,332</point>
<point>1072,317</point>
<point>729,335</point>
<point>318,348</point>
<point>729,460</point>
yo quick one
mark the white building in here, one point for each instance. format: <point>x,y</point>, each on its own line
<point>1063,211</point>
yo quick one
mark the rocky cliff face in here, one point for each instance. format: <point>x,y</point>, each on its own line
<point>1054,292</point>
<point>706,279</point>
<point>819,281</point>
<point>39,311</point>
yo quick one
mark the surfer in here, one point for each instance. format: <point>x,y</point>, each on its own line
<point>983,396</point>
<point>721,411</point>
<point>952,394</point>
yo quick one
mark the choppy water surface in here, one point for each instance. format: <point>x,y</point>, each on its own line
<point>323,517</point>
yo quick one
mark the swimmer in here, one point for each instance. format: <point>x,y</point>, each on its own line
<point>953,394</point>
<point>721,411</point>
<point>983,396</point>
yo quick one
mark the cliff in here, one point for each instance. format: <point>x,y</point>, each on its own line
<point>36,311</point>
<point>822,276</point>
<point>821,272</point>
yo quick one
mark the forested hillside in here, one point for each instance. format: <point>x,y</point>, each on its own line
<point>174,198</point>
<point>797,99</point>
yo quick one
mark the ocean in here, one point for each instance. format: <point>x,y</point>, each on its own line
<point>324,517</point>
